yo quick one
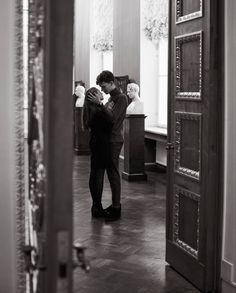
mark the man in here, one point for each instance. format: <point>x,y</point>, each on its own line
<point>116,105</point>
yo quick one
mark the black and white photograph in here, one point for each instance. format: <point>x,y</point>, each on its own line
<point>118,146</point>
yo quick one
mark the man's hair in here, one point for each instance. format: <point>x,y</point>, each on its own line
<point>105,76</point>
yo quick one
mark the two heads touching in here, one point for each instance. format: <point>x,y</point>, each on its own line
<point>95,96</point>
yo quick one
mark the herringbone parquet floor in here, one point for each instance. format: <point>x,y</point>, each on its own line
<point>126,256</point>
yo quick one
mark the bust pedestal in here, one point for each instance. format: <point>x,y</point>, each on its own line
<point>81,137</point>
<point>134,168</point>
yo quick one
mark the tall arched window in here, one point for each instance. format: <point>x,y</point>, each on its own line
<point>154,57</point>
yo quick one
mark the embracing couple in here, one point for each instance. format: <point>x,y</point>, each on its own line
<point>105,123</point>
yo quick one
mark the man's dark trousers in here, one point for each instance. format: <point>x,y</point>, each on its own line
<point>113,173</point>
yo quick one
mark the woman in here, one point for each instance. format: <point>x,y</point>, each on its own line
<point>98,120</point>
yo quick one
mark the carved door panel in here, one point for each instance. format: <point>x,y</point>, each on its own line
<point>193,173</point>
<point>37,201</point>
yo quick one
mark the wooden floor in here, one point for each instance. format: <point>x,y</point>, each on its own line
<point>126,256</point>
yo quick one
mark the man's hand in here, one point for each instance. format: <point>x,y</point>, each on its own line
<point>95,98</point>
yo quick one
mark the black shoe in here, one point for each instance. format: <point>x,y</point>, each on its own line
<point>108,209</point>
<point>112,214</point>
<point>97,212</point>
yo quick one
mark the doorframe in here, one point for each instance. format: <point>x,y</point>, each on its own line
<point>220,207</point>
<point>58,77</point>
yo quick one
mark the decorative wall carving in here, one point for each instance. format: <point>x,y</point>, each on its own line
<point>181,17</point>
<point>180,117</point>
<point>155,19</point>
<point>193,63</point>
<point>176,224</point>
<point>102,38</point>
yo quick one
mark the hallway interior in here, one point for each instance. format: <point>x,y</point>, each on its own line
<point>127,255</point>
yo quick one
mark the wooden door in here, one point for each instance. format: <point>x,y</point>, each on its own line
<point>48,246</point>
<point>193,141</point>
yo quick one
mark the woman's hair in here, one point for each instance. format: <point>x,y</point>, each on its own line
<point>88,109</point>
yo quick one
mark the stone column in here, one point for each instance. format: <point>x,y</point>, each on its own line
<point>82,41</point>
<point>126,39</point>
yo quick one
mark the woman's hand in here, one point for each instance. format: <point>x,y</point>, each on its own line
<point>95,98</point>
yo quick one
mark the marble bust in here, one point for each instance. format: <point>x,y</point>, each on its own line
<point>136,106</point>
<point>80,94</point>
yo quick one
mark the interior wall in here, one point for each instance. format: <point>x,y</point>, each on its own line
<point>228,271</point>
<point>7,167</point>
<point>126,42</point>
<point>82,41</point>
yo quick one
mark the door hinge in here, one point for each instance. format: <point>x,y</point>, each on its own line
<point>169,146</point>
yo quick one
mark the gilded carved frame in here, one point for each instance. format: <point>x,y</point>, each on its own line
<point>23,237</point>
<point>193,196</point>
<point>178,130</point>
<point>179,17</point>
<point>179,40</point>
